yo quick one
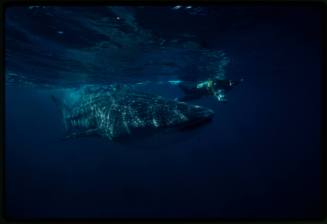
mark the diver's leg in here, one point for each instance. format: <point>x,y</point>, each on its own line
<point>187,87</point>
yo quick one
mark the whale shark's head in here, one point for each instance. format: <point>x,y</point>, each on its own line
<point>185,123</point>
<point>197,116</point>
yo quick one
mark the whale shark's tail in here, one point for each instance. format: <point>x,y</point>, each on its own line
<point>66,112</point>
<point>63,108</point>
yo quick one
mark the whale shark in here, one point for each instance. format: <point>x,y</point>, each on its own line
<point>118,111</point>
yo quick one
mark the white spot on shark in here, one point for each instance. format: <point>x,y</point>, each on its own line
<point>155,122</point>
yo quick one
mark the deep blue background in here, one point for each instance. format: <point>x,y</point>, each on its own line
<point>260,157</point>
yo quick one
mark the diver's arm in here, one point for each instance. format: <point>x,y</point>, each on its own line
<point>220,95</point>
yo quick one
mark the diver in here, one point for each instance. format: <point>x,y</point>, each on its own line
<point>216,87</point>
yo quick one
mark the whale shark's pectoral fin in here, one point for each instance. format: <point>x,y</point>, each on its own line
<point>76,134</point>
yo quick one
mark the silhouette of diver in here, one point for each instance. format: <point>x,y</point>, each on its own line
<point>212,87</point>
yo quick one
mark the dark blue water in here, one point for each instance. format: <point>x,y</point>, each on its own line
<point>258,158</point>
